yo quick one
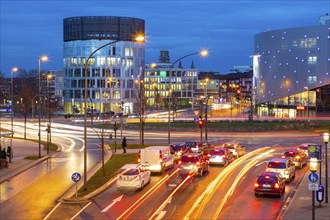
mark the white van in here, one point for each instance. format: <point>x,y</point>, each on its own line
<point>156,158</point>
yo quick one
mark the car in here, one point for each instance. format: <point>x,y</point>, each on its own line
<point>193,164</point>
<point>157,159</point>
<point>299,158</point>
<point>198,147</point>
<point>220,156</point>
<point>132,176</point>
<point>105,115</point>
<point>118,115</point>
<point>283,166</point>
<point>304,147</point>
<point>178,150</point>
<point>237,149</point>
<point>133,115</point>
<point>269,183</point>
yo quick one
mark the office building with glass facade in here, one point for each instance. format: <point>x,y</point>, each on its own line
<point>111,70</point>
<point>291,70</point>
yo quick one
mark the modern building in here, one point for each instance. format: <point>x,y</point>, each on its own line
<point>165,82</point>
<point>291,70</point>
<point>111,70</point>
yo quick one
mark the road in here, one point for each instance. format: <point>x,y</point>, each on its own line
<point>36,199</point>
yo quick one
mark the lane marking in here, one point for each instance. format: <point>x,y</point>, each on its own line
<point>113,203</point>
<point>47,216</point>
<point>81,210</point>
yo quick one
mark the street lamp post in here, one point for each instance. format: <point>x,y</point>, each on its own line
<point>49,134</point>
<point>14,69</point>
<point>137,39</point>
<point>326,141</point>
<point>202,53</point>
<point>43,59</point>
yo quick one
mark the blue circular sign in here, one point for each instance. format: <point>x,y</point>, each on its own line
<point>313,177</point>
<point>76,177</point>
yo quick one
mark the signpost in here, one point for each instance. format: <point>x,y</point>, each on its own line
<point>76,177</point>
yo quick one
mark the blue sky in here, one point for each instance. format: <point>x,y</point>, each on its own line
<point>226,28</point>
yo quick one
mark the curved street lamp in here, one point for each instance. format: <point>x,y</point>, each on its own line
<point>137,39</point>
<point>13,70</point>
<point>43,59</point>
<point>203,53</point>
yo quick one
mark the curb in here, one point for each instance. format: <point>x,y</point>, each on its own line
<point>68,196</point>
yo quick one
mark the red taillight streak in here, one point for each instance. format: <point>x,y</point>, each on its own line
<point>276,186</point>
<point>208,155</point>
<point>256,185</point>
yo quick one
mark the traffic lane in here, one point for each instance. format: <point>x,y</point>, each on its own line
<point>244,203</point>
<point>37,198</point>
<point>117,203</point>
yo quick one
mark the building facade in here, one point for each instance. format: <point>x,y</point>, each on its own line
<point>164,82</point>
<point>111,70</point>
<point>291,66</point>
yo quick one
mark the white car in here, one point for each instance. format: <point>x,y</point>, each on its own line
<point>132,176</point>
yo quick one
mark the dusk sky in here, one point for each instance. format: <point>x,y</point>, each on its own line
<point>30,29</point>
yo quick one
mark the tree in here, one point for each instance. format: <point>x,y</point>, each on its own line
<point>102,133</point>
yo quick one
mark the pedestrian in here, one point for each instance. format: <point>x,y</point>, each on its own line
<point>124,145</point>
<point>3,158</point>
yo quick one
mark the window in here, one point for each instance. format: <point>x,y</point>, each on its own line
<point>312,60</point>
<point>312,79</point>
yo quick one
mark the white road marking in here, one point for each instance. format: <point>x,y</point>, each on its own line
<point>81,210</point>
<point>113,203</point>
<point>47,216</point>
<point>260,163</point>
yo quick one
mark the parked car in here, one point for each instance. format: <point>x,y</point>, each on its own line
<point>156,158</point>
<point>178,150</point>
<point>283,166</point>
<point>106,115</point>
<point>220,156</point>
<point>299,158</point>
<point>132,176</point>
<point>133,115</point>
<point>118,115</point>
<point>193,164</point>
<point>237,149</point>
<point>269,183</point>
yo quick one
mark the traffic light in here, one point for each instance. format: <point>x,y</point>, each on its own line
<point>200,123</point>
<point>238,91</point>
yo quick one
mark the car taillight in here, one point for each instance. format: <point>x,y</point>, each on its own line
<point>208,155</point>
<point>298,148</point>
<point>256,185</point>
<point>223,156</point>
<point>276,186</point>
<point>283,156</point>
<point>180,162</point>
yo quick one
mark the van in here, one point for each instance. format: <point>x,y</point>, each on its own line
<point>283,166</point>
<point>156,158</point>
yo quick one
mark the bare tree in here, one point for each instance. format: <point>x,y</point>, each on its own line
<point>102,133</point>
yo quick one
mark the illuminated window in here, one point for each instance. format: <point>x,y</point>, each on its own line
<point>312,79</point>
<point>312,60</point>
<point>305,43</point>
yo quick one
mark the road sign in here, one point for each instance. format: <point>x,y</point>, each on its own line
<point>313,186</point>
<point>196,112</point>
<point>76,177</point>
<point>196,119</point>
<point>314,151</point>
<point>313,177</point>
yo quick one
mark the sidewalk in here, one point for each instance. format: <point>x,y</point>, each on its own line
<point>21,150</point>
<point>299,203</point>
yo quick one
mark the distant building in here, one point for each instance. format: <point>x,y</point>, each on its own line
<point>162,80</point>
<point>291,70</point>
<point>111,70</point>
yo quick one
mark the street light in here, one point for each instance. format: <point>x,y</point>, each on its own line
<point>43,59</point>
<point>137,39</point>
<point>326,141</point>
<point>14,69</point>
<point>203,53</point>
<point>49,134</point>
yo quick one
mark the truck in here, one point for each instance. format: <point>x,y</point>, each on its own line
<point>156,158</point>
